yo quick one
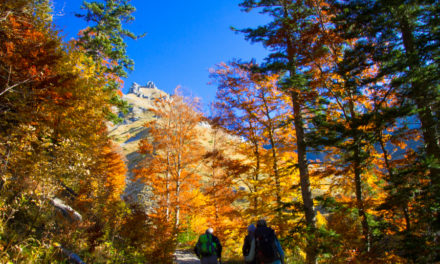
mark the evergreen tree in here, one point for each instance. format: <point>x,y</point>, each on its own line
<point>402,38</point>
<point>346,133</point>
<point>104,41</point>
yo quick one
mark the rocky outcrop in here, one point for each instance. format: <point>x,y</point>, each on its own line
<point>140,99</point>
<point>149,91</point>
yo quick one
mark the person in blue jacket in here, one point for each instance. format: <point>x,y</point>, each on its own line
<point>247,244</point>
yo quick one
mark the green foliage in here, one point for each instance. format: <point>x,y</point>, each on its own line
<point>186,236</point>
<point>400,37</point>
<point>104,41</point>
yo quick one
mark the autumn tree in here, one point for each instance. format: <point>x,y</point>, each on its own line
<point>59,171</point>
<point>245,100</point>
<point>222,171</point>
<point>250,106</point>
<point>235,110</point>
<point>294,41</point>
<point>172,157</point>
<point>346,127</point>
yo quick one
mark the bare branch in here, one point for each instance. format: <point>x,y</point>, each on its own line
<point>6,16</point>
<point>8,88</point>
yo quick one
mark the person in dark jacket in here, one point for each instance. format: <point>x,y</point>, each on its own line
<point>247,244</point>
<point>277,256</point>
<point>208,248</point>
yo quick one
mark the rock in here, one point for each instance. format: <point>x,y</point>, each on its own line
<point>134,88</point>
<point>67,211</point>
<point>149,91</point>
<point>151,85</point>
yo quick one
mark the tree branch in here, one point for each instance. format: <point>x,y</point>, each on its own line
<point>6,16</point>
<point>13,86</point>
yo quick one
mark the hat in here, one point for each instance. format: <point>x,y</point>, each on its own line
<point>261,222</point>
<point>209,231</point>
<point>251,228</point>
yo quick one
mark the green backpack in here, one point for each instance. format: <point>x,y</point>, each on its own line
<point>206,246</point>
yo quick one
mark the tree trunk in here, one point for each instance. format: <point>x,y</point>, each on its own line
<point>306,193</point>
<point>256,175</point>
<point>213,175</point>
<point>302,163</point>
<point>358,178</point>
<point>424,104</point>
<point>179,171</point>
<point>167,187</point>
<point>271,130</point>
<point>304,176</point>
<point>359,198</point>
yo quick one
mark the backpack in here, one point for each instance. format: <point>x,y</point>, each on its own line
<point>206,247</point>
<point>265,248</point>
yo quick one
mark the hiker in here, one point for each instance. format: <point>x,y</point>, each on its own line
<point>208,248</point>
<point>265,247</point>
<point>248,246</point>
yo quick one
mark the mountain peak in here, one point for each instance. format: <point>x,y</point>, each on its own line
<point>139,90</point>
<point>140,98</point>
<point>150,85</point>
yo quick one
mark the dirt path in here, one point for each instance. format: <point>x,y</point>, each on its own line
<point>186,257</point>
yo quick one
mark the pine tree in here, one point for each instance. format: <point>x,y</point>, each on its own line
<point>104,41</point>
<point>402,38</point>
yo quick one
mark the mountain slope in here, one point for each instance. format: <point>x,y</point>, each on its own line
<point>128,133</point>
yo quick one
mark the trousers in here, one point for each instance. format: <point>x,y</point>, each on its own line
<point>209,260</point>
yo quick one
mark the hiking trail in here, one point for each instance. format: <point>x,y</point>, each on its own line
<point>185,257</point>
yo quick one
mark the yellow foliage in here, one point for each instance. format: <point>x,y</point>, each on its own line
<point>320,220</point>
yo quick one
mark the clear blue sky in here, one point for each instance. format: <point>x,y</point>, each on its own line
<point>184,39</point>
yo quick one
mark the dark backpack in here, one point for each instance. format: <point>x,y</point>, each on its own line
<point>206,246</point>
<point>265,248</point>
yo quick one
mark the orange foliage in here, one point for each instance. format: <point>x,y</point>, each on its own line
<point>169,169</point>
